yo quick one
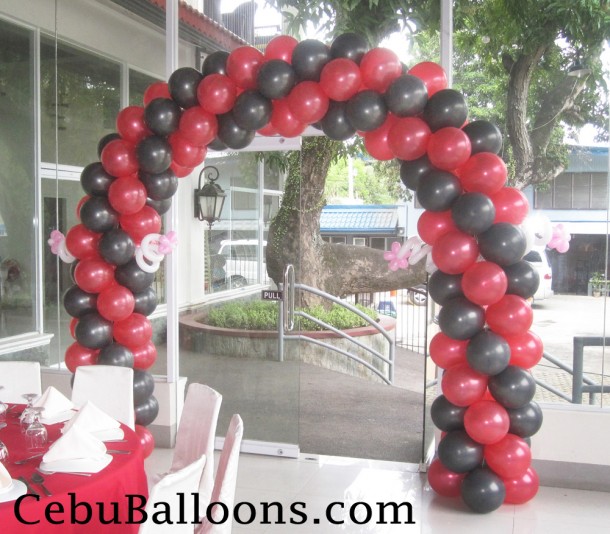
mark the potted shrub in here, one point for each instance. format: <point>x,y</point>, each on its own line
<point>597,281</point>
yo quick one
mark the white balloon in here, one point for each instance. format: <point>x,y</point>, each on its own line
<point>150,245</point>
<point>143,264</point>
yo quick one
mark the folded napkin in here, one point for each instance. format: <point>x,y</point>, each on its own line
<point>77,450</point>
<point>6,482</point>
<point>56,406</point>
<point>92,419</point>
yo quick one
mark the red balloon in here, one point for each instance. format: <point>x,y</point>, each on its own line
<point>268,130</point>
<point>198,126</point>
<point>454,252</point>
<point>484,283</point>
<point>280,47</point>
<point>185,153</point>
<point>449,148</point>
<point>156,90</point>
<point>432,74</point>
<point>216,93</point>
<point>433,224</point>
<point>376,141</point>
<point>511,205</point>
<point>443,481</point>
<point>119,158</point>
<point>521,489</point>
<point>140,224</point>
<point>282,119</point>
<point>115,303</point>
<point>144,356</point>
<point>462,385</point>
<point>133,331</point>
<point>80,204</point>
<point>408,138</point>
<point>308,102</point>
<point>484,172</point>
<point>93,275</point>
<point>127,195</point>
<point>526,349</point>
<point>179,170</point>
<point>73,323</point>
<point>77,355</point>
<point>147,441</point>
<point>446,351</point>
<point>510,316</point>
<point>82,242</point>
<point>242,65</point>
<point>486,421</point>
<point>130,124</point>
<point>510,457</point>
<point>379,67</point>
<point>340,79</point>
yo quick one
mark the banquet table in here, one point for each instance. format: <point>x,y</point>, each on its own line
<point>107,501</point>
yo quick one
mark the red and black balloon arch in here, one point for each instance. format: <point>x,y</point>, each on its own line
<point>471,220</point>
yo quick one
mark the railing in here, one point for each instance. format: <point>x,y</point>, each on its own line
<point>288,314</point>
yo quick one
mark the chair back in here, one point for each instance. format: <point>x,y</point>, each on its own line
<point>19,378</point>
<point>109,387</point>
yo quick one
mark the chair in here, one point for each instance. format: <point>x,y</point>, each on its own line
<point>197,432</point>
<point>226,478</point>
<point>109,387</point>
<point>19,378</point>
<point>167,492</point>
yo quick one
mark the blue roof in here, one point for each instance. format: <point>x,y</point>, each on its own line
<point>359,219</point>
<point>588,159</point>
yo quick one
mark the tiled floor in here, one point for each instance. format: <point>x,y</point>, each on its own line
<point>311,485</point>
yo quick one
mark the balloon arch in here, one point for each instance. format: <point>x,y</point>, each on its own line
<point>472,224</point>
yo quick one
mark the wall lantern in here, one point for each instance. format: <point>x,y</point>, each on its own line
<point>209,199</point>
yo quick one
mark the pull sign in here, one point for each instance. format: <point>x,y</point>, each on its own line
<point>271,295</point>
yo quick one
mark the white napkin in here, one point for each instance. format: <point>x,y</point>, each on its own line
<point>6,482</point>
<point>92,419</point>
<point>76,450</point>
<point>56,406</point>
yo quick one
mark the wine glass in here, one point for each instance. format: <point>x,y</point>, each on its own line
<point>27,416</point>
<point>3,452</point>
<point>36,435</point>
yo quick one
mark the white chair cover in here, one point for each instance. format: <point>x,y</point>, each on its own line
<point>109,387</point>
<point>197,432</point>
<point>226,478</point>
<point>166,493</point>
<point>19,378</point>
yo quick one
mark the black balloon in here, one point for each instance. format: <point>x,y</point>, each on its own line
<point>446,416</point>
<point>105,140</point>
<point>482,490</point>
<point>252,110</point>
<point>97,214</point>
<point>145,301</point>
<point>525,421</point>
<point>154,154</point>
<point>438,190</point>
<point>503,243</point>
<point>473,213</point>
<point>275,78</point>
<point>143,386</point>
<point>132,277</point>
<point>93,331</point>
<point>349,45</point>
<point>513,388</point>
<point>443,287</point>
<point>160,206</point>
<point>488,353</point>
<point>217,144</point>
<point>115,354</point>
<point>162,116</point>
<point>523,279</point>
<point>411,172</point>
<point>78,302</point>
<point>484,137</point>
<point>406,96</point>
<point>366,110</point>
<point>160,186</point>
<point>460,318</point>
<point>459,453</point>
<point>335,124</point>
<point>231,134</point>
<point>146,411</point>
<point>215,63</point>
<point>183,84</point>
<point>444,108</point>
<point>95,180</point>
<point>308,59</point>
<point>117,247</point>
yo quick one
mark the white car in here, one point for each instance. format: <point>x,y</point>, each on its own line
<point>242,257</point>
<point>538,258</point>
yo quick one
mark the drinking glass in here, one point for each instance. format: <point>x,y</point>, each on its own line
<point>27,416</point>
<point>3,453</point>
<point>3,409</point>
<point>36,433</point>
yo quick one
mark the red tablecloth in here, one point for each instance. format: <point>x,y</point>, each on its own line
<point>78,504</point>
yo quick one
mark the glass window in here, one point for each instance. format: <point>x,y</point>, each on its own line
<point>138,83</point>
<point>581,191</point>
<point>563,191</point>
<point>599,190</point>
